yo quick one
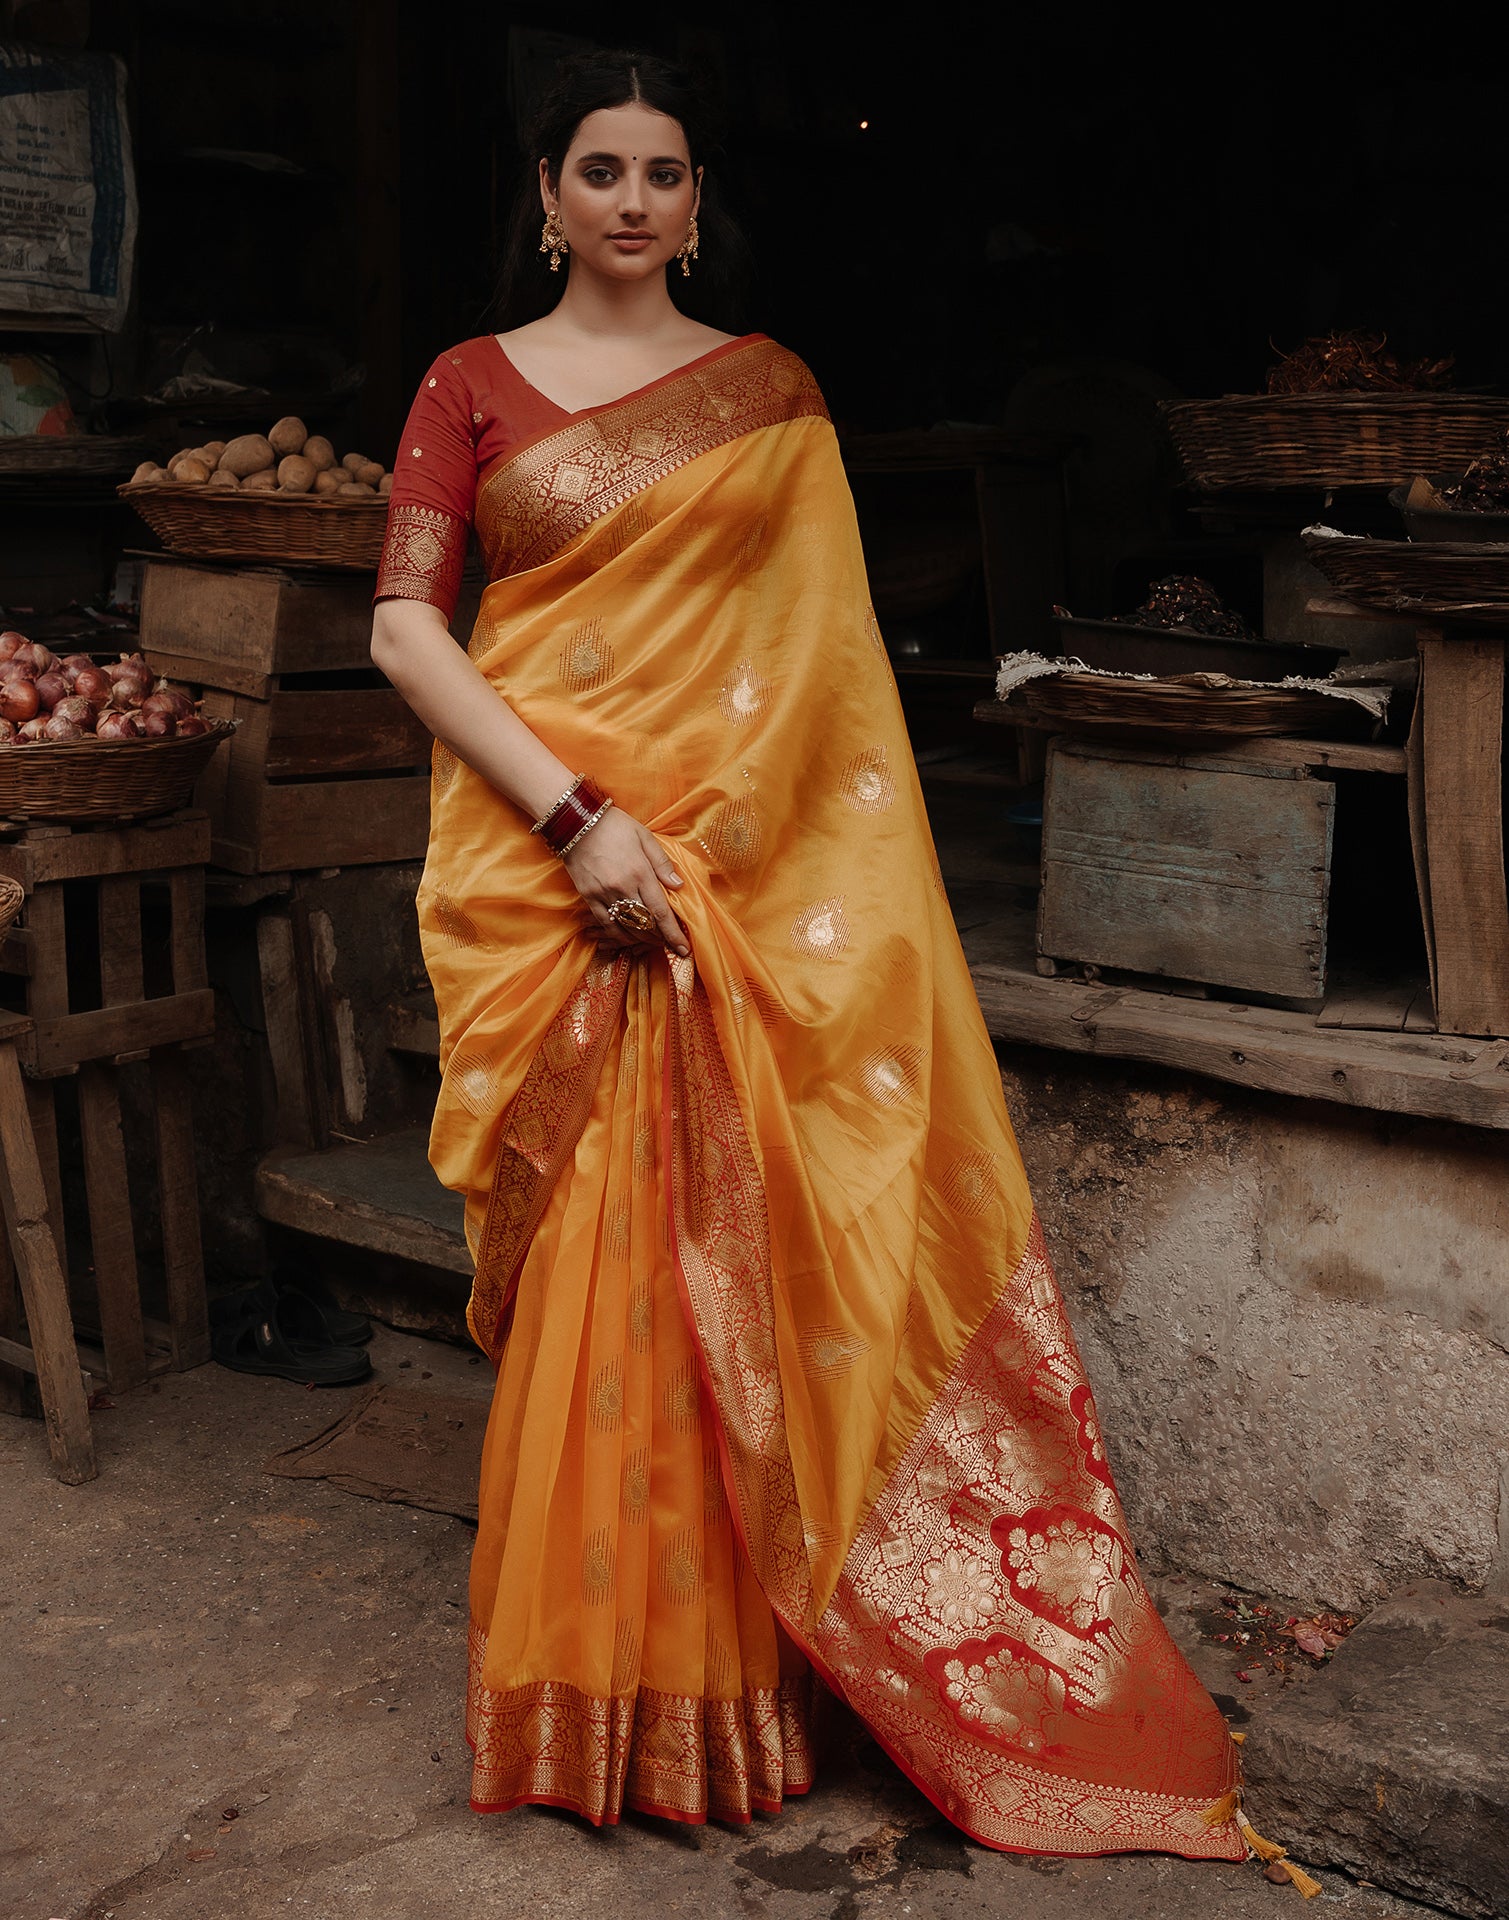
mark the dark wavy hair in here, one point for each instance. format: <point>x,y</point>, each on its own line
<point>588,83</point>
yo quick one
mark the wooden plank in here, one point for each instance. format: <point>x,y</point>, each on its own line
<point>178,1190</point>
<point>1245,1046</point>
<point>13,1356</point>
<point>285,1039</point>
<point>1363,756</point>
<point>42,1110</point>
<point>56,1046</point>
<point>47,983</point>
<point>177,840</point>
<point>1414,755</point>
<point>49,1320</point>
<point>186,940</point>
<point>1462,686</point>
<point>119,898</point>
<point>344,823</point>
<point>360,730</point>
<point>112,1238</point>
<point>413,1029</point>
<point>1370,1006</point>
<point>1159,867</point>
<point>190,672</point>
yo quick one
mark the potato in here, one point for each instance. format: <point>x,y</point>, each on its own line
<point>215,447</point>
<point>295,474</point>
<point>176,460</point>
<point>264,480</point>
<point>355,490</point>
<point>385,485</point>
<point>147,474</point>
<point>289,435</point>
<point>248,453</point>
<point>331,480</point>
<point>220,478</point>
<point>319,452</point>
<point>351,461</point>
<point>369,472</point>
<point>191,473</point>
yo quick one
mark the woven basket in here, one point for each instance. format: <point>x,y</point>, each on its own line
<point>12,900</point>
<point>1181,709</point>
<point>1438,579</point>
<point>62,455</point>
<point>114,780</point>
<point>1262,442</point>
<point>288,529</point>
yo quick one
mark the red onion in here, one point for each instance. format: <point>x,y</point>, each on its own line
<point>59,728</point>
<point>52,687</point>
<point>13,670</point>
<point>159,726</point>
<point>94,684</point>
<point>74,664</point>
<point>33,654</point>
<point>33,729</point>
<point>116,725</point>
<point>18,700</point>
<point>166,699</point>
<point>7,732</point>
<point>194,724</point>
<point>74,707</point>
<point>9,641</point>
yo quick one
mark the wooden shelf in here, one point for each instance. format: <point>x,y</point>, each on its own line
<point>379,1194</point>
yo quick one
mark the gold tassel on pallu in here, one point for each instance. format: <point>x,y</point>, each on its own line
<point>1228,1807</point>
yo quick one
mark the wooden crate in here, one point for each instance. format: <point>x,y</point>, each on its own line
<point>1193,865</point>
<point>328,767</point>
<point>317,776</point>
<point>111,871</point>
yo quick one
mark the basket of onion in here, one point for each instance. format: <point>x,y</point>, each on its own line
<point>82,740</point>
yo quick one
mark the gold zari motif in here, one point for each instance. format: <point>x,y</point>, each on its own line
<point>423,554</point>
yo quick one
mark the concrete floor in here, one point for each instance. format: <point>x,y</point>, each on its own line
<point>228,1694</point>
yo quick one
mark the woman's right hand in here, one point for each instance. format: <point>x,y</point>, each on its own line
<point>619,859</point>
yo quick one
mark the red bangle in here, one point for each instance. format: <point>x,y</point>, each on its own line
<point>576,810</point>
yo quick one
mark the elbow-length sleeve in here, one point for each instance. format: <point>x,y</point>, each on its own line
<point>434,492</point>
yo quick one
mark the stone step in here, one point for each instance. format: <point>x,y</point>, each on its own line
<point>1393,1762</point>
<point>380,1194</point>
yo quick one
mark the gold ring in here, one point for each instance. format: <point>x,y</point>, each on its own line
<point>633,914</point>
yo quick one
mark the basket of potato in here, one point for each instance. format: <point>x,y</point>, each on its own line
<point>278,496</point>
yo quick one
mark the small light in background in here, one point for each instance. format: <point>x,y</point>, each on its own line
<point>863,124</point>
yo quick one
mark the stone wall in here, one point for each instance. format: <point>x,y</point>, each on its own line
<point>1296,1320</point>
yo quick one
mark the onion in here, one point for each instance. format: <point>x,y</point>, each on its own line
<point>159,726</point>
<point>194,724</point>
<point>18,700</point>
<point>73,664</point>
<point>9,641</point>
<point>7,732</point>
<point>131,681</point>
<point>13,670</point>
<point>116,725</point>
<point>166,699</point>
<point>33,729</point>
<point>59,728</point>
<point>94,684</point>
<point>52,687</point>
<point>32,653</point>
<point>74,707</point>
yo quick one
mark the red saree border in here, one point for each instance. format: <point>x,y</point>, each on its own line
<point>541,1126</point>
<point>681,1756</point>
<point>915,1691</point>
<point>538,499</point>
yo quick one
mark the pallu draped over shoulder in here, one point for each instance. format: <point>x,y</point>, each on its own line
<point>785,1385</point>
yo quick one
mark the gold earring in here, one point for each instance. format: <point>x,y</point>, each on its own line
<point>553,239</point>
<point>687,252</point>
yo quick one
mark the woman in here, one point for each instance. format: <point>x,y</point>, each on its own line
<point>784,1383</point>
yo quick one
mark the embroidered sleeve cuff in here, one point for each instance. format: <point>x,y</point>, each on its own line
<point>422,557</point>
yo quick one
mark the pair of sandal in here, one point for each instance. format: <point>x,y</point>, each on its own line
<point>293,1327</point>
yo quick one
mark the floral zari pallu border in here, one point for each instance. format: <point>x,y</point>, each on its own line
<point>539,499</point>
<point>990,1598</point>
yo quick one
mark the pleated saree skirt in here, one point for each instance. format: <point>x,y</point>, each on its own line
<point>622,1652</point>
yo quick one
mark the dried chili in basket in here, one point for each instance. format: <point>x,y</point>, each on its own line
<point>1355,362</point>
<point>1185,600</point>
<point>1484,486</point>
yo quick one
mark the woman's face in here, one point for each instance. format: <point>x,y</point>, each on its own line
<point>626,192</point>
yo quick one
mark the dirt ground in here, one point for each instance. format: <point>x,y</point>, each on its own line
<point>229,1694</point>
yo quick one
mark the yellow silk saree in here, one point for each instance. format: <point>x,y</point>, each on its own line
<point>784,1385</point>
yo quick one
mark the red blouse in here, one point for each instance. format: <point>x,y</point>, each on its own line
<point>473,406</point>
